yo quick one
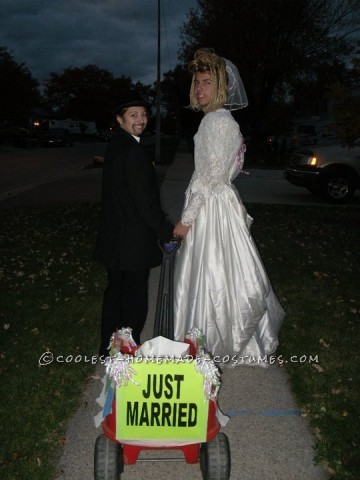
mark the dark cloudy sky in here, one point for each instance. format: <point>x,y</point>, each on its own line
<point>117,35</point>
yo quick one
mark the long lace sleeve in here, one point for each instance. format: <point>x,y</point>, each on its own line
<point>216,147</point>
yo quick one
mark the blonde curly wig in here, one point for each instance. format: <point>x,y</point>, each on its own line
<point>206,60</point>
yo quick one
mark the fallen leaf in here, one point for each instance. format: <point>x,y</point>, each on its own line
<point>323,343</point>
<point>318,367</point>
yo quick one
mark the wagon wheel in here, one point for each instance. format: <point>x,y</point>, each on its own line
<point>108,459</point>
<point>215,458</point>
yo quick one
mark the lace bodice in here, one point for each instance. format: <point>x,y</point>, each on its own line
<point>219,152</point>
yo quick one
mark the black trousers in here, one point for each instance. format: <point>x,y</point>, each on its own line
<point>125,304</point>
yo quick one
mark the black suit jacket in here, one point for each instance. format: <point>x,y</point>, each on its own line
<point>132,220</point>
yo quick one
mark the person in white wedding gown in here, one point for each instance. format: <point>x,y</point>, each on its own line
<point>221,286</point>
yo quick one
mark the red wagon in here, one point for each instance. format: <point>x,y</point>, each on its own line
<point>178,423</point>
<point>211,450</point>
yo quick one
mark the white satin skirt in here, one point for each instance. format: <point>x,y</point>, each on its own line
<point>222,288</point>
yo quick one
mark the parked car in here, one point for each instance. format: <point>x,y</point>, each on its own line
<point>332,171</point>
<point>106,135</point>
<point>17,137</point>
<point>58,137</point>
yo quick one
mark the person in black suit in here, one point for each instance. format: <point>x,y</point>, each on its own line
<point>131,223</point>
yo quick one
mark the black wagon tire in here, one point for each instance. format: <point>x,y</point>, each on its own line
<point>215,460</point>
<point>108,459</point>
<point>338,187</point>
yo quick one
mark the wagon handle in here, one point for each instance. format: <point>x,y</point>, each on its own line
<point>171,247</point>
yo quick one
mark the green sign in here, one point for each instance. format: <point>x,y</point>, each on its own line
<point>168,403</point>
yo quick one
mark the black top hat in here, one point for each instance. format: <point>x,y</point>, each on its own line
<point>130,99</point>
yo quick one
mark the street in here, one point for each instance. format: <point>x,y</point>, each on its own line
<point>24,169</point>
<point>33,177</point>
<point>270,186</point>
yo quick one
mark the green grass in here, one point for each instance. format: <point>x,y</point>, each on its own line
<point>50,301</point>
<point>313,258</point>
<point>51,294</point>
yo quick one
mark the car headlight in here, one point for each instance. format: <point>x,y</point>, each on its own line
<point>309,161</point>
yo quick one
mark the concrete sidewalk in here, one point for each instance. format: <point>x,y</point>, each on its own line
<point>269,438</point>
